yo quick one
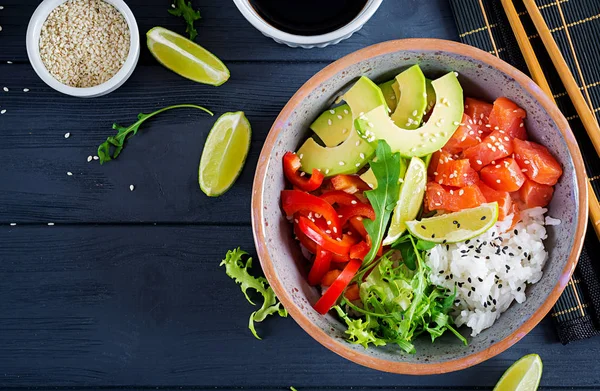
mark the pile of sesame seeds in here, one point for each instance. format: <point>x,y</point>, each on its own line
<point>84,43</point>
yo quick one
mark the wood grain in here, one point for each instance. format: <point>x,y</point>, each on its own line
<point>225,32</point>
<point>149,306</point>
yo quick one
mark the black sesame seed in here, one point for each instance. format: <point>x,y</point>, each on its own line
<point>451,276</point>
<point>516,232</point>
<point>456,301</point>
<point>447,277</point>
<point>464,251</point>
<point>460,284</point>
<point>494,301</point>
<point>441,272</point>
<point>519,289</point>
<point>484,242</point>
<point>457,225</point>
<point>455,222</point>
<point>525,253</point>
<point>511,254</point>
<point>490,297</point>
<point>529,257</point>
<point>499,286</point>
<point>422,226</point>
<point>476,256</point>
<point>464,255</point>
<point>507,267</point>
<point>432,236</point>
<point>473,288</point>
<point>487,257</point>
<point>520,248</point>
<point>468,241</point>
<point>444,241</point>
<point>469,279</point>
<point>484,305</point>
<point>480,279</point>
<point>469,294</point>
<point>505,247</point>
<point>447,247</point>
<point>471,246</point>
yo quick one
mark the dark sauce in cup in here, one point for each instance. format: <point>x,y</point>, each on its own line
<point>308,17</point>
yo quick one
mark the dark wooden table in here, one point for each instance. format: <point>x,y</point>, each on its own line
<point>125,291</point>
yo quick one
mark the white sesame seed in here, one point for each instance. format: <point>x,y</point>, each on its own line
<point>524,170</point>
<point>327,171</point>
<point>302,173</point>
<point>51,224</point>
<point>461,192</point>
<point>332,111</point>
<point>13,224</point>
<point>456,123</point>
<point>455,73</point>
<point>346,111</point>
<point>301,155</point>
<point>408,123</point>
<point>341,163</point>
<point>362,155</point>
<point>96,158</point>
<point>1,7</point>
<point>296,221</point>
<point>2,111</point>
<point>339,117</point>
<point>353,202</point>
<point>438,204</point>
<point>358,143</point>
<point>489,145</point>
<point>9,62</point>
<point>498,181</point>
<point>357,164</point>
<point>334,230</point>
<point>451,192</point>
<point>340,216</point>
<point>370,124</point>
<point>526,162</point>
<point>329,122</point>
<point>328,231</point>
<point>521,125</point>
<point>5,89</point>
<point>318,215</point>
<point>414,113</point>
<point>69,173</point>
<point>488,125</point>
<point>89,158</point>
<point>328,222</point>
<point>67,135</point>
<point>479,162</point>
<point>498,166</point>
<point>25,89</point>
<point>440,181</point>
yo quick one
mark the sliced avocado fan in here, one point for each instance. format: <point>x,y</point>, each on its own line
<point>443,122</point>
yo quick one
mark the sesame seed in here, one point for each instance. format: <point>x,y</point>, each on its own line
<point>370,124</point>
<point>9,62</point>
<point>332,111</point>
<point>479,162</point>
<point>353,202</point>
<point>341,163</point>
<point>13,224</point>
<point>302,173</point>
<point>93,30</point>
<point>521,125</point>
<point>334,230</point>
<point>318,215</point>
<point>461,192</point>
<point>89,159</point>
<point>5,89</point>
<point>51,224</point>
<point>69,173</point>
<point>25,89</point>
<point>526,162</point>
<point>295,220</point>
<point>345,111</point>
<point>2,111</point>
<point>327,171</point>
<point>328,231</point>
<point>96,158</point>
<point>329,122</point>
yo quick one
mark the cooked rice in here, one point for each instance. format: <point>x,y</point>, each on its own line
<point>492,270</point>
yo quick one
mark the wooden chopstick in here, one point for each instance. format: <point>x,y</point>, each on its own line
<point>537,74</point>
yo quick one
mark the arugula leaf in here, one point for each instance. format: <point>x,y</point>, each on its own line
<point>383,198</point>
<point>188,13</point>
<point>117,142</point>
<point>237,269</point>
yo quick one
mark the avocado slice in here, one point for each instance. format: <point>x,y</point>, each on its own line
<point>430,95</point>
<point>354,152</point>
<point>391,98</point>
<point>413,98</point>
<point>430,137</point>
<point>333,125</point>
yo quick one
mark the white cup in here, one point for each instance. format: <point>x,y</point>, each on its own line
<point>306,41</point>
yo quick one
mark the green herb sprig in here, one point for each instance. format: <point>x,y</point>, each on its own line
<point>237,269</point>
<point>187,12</point>
<point>117,143</point>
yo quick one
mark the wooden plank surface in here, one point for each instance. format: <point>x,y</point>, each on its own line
<point>125,291</point>
<point>145,305</point>
<point>225,32</point>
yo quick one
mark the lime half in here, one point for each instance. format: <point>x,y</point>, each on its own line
<point>186,58</point>
<point>523,375</point>
<point>457,226</point>
<point>224,154</point>
<point>410,199</point>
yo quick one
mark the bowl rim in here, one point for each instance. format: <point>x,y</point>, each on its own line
<point>267,29</point>
<point>258,215</point>
<point>33,51</point>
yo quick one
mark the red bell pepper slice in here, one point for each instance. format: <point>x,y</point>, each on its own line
<point>313,232</point>
<point>349,183</point>
<point>357,224</point>
<point>326,301</point>
<point>295,201</point>
<point>320,266</point>
<point>339,197</point>
<point>358,209</point>
<point>291,165</point>
<point>360,250</point>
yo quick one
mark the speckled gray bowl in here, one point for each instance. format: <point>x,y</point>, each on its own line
<point>483,76</point>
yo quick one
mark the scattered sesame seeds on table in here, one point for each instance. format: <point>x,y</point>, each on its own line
<point>124,290</point>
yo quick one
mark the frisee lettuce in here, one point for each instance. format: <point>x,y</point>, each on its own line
<point>399,303</point>
<point>237,269</point>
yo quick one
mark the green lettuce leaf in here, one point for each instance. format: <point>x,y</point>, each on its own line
<point>187,12</point>
<point>237,269</point>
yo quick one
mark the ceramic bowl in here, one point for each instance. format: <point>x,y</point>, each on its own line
<point>33,51</point>
<point>307,41</point>
<point>482,76</point>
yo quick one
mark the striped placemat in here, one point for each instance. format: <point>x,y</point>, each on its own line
<point>575,25</point>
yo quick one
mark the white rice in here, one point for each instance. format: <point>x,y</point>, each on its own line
<point>492,270</point>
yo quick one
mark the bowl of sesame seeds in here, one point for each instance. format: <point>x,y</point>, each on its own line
<point>83,48</point>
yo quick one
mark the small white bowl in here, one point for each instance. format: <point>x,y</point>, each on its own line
<point>33,51</point>
<point>307,41</point>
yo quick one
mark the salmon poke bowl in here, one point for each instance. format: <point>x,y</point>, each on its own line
<point>419,206</point>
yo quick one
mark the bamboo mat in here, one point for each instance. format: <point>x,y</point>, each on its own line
<point>482,23</point>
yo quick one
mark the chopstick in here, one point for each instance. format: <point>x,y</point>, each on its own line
<point>590,124</point>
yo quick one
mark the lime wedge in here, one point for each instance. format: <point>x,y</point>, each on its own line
<point>224,154</point>
<point>457,226</point>
<point>410,199</point>
<point>523,375</point>
<point>185,57</point>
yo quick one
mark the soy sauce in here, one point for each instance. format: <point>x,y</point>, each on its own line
<point>308,17</point>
